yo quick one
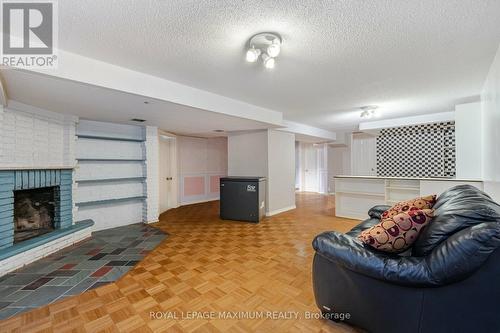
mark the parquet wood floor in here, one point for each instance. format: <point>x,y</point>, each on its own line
<point>207,267</point>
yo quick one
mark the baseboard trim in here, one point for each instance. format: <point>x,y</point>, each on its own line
<point>281,210</point>
<point>197,202</point>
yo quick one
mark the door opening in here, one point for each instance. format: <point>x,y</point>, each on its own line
<point>168,172</point>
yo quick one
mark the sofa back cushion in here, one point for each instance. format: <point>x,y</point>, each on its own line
<point>458,208</point>
<point>398,232</point>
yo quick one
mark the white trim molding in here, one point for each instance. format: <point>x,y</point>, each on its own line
<point>281,210</point>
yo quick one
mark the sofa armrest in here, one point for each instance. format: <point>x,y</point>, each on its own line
<point>352,254</point>
<point>377,211</point>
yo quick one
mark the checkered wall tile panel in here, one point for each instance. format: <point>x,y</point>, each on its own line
<point>417,151</point>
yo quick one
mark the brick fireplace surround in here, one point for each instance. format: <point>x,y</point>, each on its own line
<point>16,255</point>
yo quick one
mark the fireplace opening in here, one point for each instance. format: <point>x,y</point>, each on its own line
<point>34,212</point>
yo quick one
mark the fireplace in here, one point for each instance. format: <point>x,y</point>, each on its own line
<point>34,212</point>
<point>34,203</point>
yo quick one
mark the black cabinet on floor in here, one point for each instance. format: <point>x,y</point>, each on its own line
<point>243,198</point>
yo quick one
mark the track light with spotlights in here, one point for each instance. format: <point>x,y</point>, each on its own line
<point>265,45</point>
<point>368,112</point>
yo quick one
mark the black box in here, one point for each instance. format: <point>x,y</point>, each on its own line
<point>242,198</point>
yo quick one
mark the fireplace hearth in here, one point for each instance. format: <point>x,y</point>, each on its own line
<point>34,212</point>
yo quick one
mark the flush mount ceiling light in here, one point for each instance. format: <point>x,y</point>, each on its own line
<point>368,112</point>
<point>265,45</point>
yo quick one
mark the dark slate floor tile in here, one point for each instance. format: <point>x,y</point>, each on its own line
<point>16,296</point>
<point>21,279</point>
<point>61,272</point>
<point>90,264</point>
<point>131,250</point>
<point>5,277</point>
<point>37,283</point>
<point>42,296</point>
<point>82,286</point>
<point>117,263</point>
<point>7,290</point>
<point>98,256</point>
<point>58,281</point>
<point>115,273</point>
<point>4,304</point>
<point>118,251</point>
<point>76,279</point>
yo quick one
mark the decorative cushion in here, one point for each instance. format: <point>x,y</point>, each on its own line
<point>397,233</point>
<point>426,202</point>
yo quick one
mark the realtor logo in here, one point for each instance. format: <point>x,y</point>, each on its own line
<point>29,34</point>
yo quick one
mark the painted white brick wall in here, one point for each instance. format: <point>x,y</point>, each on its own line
<point>112,215</point>
<point>109,149</point>
<point>109,169</point>
<point>151,208</point>
<point>33,137</point>
<point>108,190</point>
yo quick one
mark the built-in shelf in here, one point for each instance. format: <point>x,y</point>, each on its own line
<point>416,189</point>
<point>111,159</point>
<point>107,201</point>
<point>361,193</point>
<point>109,138</point>
<point>110,180</point>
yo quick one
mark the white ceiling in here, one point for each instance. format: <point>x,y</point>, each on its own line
<point>97,103</point>
<point>409,57</point>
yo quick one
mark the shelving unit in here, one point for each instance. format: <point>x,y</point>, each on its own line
<point>111,174</point>
<point>354,196</point>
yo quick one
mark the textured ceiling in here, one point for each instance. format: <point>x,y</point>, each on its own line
<point>406,56</point>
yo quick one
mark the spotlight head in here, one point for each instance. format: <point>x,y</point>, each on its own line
<point>269,62</point>
<point>252,54</point>
<point>274,49</point>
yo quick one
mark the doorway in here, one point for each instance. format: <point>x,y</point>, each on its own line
<point>168,172</point>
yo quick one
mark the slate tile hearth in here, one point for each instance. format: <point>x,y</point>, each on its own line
<point>104,258</point>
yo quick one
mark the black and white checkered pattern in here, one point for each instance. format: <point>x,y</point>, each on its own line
<point>417,151</point>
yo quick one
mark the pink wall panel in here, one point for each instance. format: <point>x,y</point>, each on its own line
<point>194,186</point>
<point>214,184</point>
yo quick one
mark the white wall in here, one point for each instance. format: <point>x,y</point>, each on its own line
<point>468,140</point>
<point>269,154</point>
<point>490,107</point>
<point>281,174</point>
<point>247,154</point>
<point>339,159</point>
<point>33,137</point>
<point>152,208</point>
<point>201,162</point>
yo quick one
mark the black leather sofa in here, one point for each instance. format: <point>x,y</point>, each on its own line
<point>448,282</point>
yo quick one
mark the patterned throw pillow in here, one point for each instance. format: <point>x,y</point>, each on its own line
<point>400,225</point>
<point>426,202</point>
<point>397,233</point>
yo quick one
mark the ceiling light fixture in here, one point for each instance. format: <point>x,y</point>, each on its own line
<point>368,111</point>
<point>266,45</point>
